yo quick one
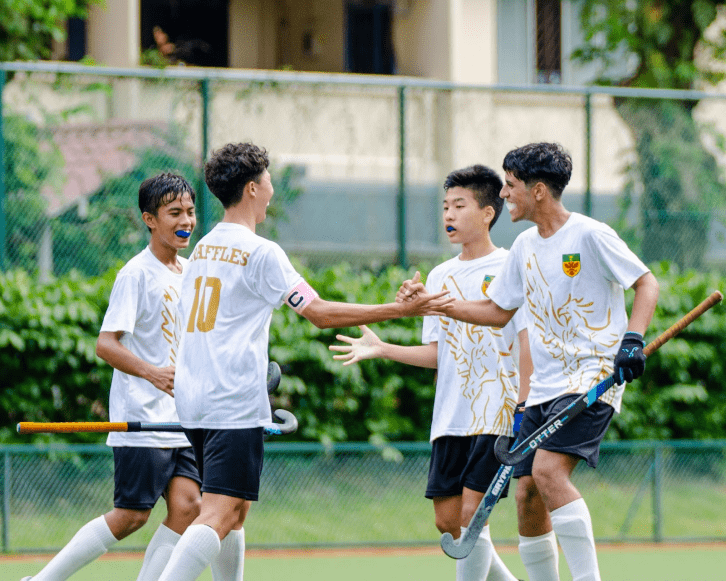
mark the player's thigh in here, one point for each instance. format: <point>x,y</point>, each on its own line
<point>449,456</point>
<point>229,461</point>
<point>141,475</point>
<point>447,514</point>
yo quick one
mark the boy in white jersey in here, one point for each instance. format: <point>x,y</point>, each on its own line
<point>139,338</point>
<point>568,273</point>
<point>233,281</point>
<point>477,376</point>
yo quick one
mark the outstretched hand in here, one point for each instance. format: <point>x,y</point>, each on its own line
<point>369,346</point>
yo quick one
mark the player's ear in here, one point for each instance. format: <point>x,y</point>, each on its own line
<point>149,219</point>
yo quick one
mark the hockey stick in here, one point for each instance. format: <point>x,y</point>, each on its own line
<point>511,456</point>
<point>288,426</point>
<point>461,548</point>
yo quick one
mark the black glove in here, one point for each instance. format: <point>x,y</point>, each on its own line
<point>630,359</point>
<point>518,413</point>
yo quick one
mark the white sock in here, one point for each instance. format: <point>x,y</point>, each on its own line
<point>573,528</point>
<point>475,566</point>
<point>229,564</point>
<point>91,541</point>
<point>196,549</point>
<point>540,557</point>
<point>498,571</point>
<point>158,553</point>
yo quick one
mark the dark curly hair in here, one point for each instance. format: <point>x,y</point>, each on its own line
<point>483,182</point>
<point>161,190</point>
<point>548,163</point>
<point>232,167</point>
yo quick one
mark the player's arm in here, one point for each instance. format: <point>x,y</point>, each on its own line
<point>329,314</point>
<point>111,350</point>
<point>526,367</point>
<point>484,312</point>
<point>370,346</point>
<point>646,297</point>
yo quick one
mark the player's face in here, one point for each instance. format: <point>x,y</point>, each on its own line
<point>517,197</point>
<point>174,222</point>
<point>263,191</point>
<point>464,220</point>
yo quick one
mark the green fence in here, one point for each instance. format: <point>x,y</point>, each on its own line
<point>358,161</point>
<point>355,494</point>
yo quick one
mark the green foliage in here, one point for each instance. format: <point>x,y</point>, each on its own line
<point>47,351</point>
<point>28,26</point>
<point>672,45</point>
<point>683,391</point>
<point>31,162</point>
<point>661,36</point>
<point>48,334</point>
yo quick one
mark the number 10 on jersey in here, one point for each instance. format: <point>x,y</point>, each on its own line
<point>205,304</point>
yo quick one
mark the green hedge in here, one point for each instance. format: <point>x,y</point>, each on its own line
<point>48,334</point>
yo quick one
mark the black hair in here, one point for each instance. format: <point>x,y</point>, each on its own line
<point>484,182</point>
<point>232,167</point>
<point>548,163</point>
<point>161,190</point>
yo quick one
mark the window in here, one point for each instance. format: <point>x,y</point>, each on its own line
<point>368,44</point>
<point>548,19</point>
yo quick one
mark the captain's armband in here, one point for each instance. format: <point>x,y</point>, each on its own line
<point>300,297</point>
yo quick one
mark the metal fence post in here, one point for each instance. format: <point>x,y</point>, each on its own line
<point>587,202</point>
<point>657,500</point>
<point>2,175</point>
<point>203,197</point>
<point>6,503</point>
<point>401,201</point>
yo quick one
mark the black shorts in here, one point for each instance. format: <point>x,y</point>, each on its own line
<point>462,461</point>
<point>230,461</point>
<point>580,437</point>
<point>142,475</point>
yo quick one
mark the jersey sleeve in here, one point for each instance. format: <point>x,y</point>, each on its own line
<point>507,288</point>
<point>618,262</point>
<point>276,275</point>
<point>123,305</point>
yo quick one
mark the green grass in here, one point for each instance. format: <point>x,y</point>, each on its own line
<point>626,563</point>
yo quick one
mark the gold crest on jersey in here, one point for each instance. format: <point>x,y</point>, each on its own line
<point>571,264</point>
<point>488,278</point>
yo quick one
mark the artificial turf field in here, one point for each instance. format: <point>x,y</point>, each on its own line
<point>697,562</point>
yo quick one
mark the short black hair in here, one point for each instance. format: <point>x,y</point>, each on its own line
<point>161,190</point>
<point>548,163</point>
<point>232,167</point>
<point>484,182</point>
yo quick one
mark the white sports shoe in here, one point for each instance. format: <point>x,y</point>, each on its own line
<point>26,579</point>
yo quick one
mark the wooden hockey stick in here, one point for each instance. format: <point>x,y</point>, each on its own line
<point>288,426</point>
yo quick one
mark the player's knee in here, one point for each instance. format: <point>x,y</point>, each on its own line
<point>133,520</point>
<point>446,524</point>
<point>527,494</point>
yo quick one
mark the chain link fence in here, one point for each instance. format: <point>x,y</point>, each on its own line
<point>355,494</point>
<point>358,161</point>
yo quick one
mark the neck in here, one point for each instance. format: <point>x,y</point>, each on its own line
<point>551,218</point>
<point>167,256</point>
<point>474,250</point>
<point>240,214</point>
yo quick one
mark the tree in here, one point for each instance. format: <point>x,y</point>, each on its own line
<point>671,44</point>
<point>28,26</point>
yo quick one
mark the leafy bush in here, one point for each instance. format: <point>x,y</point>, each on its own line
<point>48,334</point>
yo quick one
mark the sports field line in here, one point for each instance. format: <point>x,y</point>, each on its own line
<point>337,552</point>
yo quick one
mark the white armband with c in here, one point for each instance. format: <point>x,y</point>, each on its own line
<point>300,297</point>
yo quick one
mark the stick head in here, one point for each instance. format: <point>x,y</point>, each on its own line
<point>502,445</point>
<point>273,377</point>
<point>289,422</point>
<point>455,548</point>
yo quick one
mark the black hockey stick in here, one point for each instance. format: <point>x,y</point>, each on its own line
<point>458,549</point>
<point>511,456</point>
